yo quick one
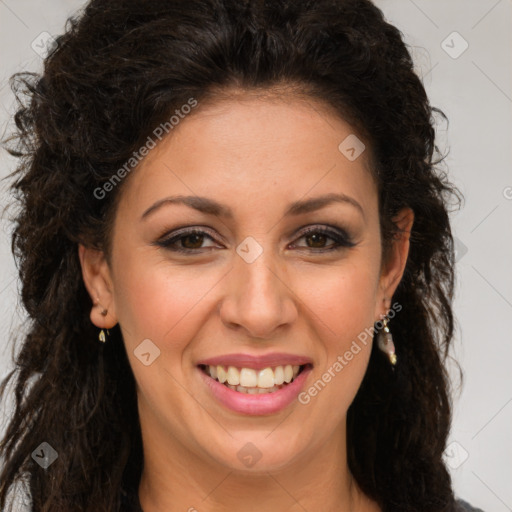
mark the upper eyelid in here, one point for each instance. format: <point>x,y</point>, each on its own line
<point>177,234</point>
<point>180,232</point>
<point>208,230</point>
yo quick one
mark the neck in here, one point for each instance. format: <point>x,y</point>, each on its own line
<point>176,478</point>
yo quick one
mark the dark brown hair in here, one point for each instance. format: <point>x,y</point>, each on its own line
<point>119,70</point>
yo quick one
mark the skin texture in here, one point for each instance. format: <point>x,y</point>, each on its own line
<point>255,155</point>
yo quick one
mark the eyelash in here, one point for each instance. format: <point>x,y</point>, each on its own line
<point>342,239</point>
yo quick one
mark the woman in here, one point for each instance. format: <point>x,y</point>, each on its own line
<point>236,256</point>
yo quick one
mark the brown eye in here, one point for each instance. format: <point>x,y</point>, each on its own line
<point>317,237</point>
<point>318,240</point>
<point>187,241</point>
<point>192,241</point>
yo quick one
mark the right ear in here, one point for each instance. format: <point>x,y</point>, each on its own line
<point>97,279</point>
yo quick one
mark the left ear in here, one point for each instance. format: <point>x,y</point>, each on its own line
<point>393,267</point>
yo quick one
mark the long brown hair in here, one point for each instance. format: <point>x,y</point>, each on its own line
<point>118,71</point>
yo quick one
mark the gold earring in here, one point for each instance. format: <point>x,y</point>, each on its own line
<point>385,342</point>
<point>102,336</point>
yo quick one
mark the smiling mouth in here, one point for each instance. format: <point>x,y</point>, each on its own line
<point>251,381</point>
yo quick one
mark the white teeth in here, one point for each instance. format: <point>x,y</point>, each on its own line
<point>221,374</point>
<point>248,380</point>
<point>278,375</point>
<point>266,378</point>
<point>233,376</point>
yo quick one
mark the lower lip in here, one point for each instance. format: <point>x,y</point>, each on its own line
<point>267,403</point>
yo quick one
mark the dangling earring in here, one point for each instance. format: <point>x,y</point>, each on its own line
<point>102,337</point>
<point>385,342</point>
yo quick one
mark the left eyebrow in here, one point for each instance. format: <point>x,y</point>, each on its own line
<point>316,203</point>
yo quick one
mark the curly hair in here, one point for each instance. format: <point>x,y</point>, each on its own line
<point>117,71</point>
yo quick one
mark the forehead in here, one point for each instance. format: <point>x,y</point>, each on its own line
<point>249,148</point>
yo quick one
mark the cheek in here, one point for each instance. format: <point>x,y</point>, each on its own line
<point>161,302</point>
<point>341,297</point>
<point>168,309</point>
<point>340,302</point>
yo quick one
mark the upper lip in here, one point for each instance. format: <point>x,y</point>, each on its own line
<point>258,362</point>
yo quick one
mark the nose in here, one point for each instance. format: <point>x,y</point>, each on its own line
<point>258,297</point>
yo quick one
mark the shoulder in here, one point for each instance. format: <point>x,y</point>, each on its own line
<point>464,506</point>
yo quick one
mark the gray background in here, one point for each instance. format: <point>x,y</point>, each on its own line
<point>473,88</point>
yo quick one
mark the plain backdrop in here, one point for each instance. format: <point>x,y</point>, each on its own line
<point>463,52</point>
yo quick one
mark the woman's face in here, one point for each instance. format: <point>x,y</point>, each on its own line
<point>253,290</point>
